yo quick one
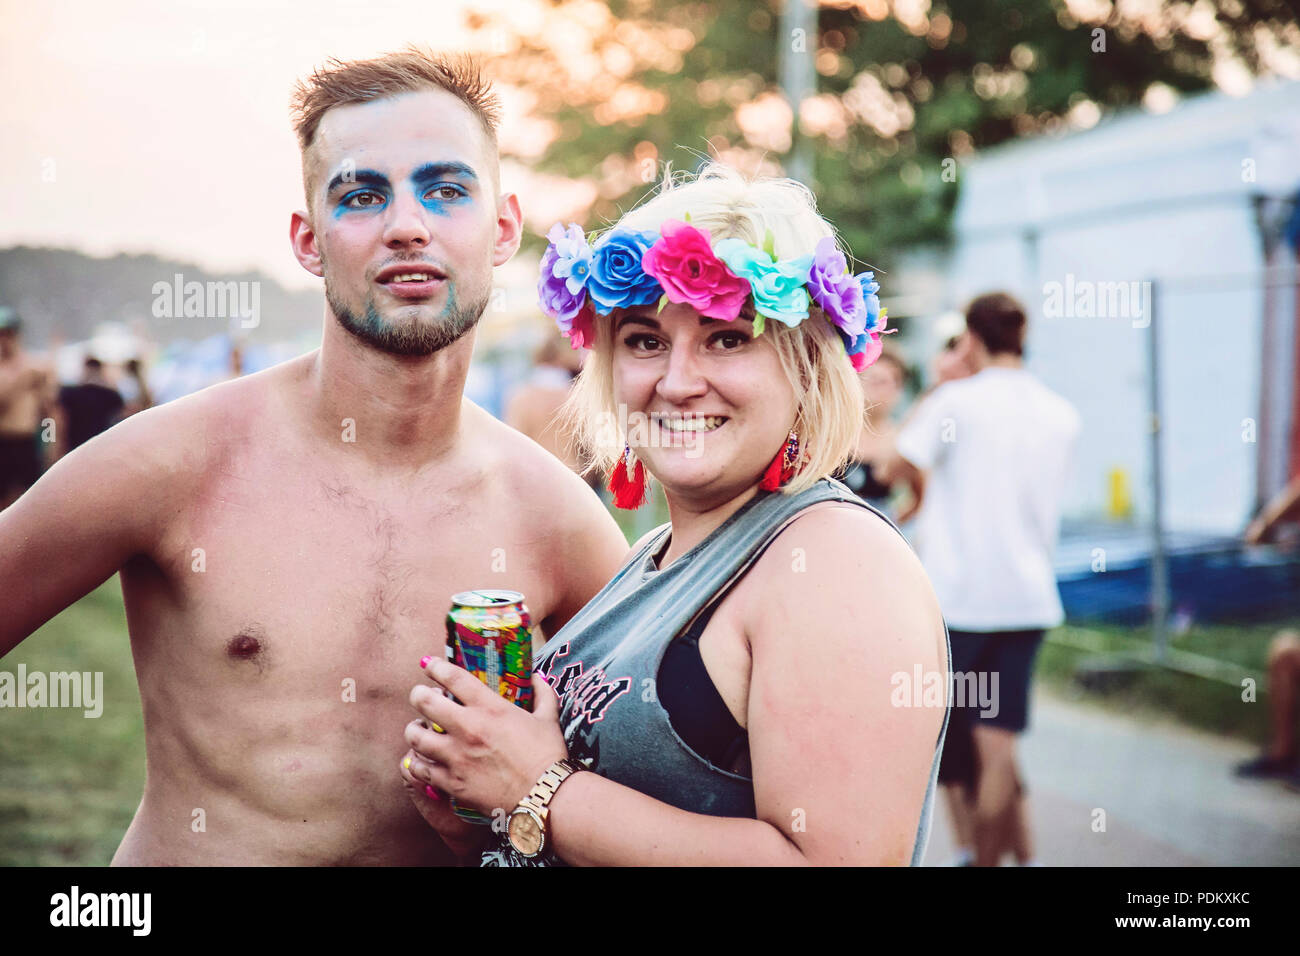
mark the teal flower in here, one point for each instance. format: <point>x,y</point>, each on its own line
<point>777,284</point>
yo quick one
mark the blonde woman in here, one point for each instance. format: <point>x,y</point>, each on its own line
<point>765,679</point>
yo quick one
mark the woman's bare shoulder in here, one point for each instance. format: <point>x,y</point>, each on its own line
<point>848,563</point>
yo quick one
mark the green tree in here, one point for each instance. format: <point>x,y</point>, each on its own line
<point>903,86</point>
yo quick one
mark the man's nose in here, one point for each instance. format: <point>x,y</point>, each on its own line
<point>406,224</point>
<point>683,379</point>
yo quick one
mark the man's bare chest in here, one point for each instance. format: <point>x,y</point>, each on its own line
<point>273,579</point>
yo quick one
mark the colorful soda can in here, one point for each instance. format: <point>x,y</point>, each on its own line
<point>489,633</point>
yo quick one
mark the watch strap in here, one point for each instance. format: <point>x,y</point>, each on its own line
<point>539,798</point>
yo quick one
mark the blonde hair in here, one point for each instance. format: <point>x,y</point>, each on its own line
<point>828,393</point>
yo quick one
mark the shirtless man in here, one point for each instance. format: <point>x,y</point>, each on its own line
<point>289,542</point>
<point>26,395</point>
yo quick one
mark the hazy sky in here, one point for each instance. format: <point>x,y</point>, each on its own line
<point>152,126</point>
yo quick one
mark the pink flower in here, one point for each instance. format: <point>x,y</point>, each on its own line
<point>683,262</point>
<point>582,330</point>
<point>864,349</point>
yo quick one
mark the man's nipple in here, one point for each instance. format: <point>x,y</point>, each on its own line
<point>245,646</point>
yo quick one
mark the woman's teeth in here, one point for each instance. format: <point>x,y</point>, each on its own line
<point>700,424</point>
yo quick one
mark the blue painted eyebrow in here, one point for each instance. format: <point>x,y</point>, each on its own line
<point>364,177</point>
<point>447,168</point>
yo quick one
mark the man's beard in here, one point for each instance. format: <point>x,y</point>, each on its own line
<point>412,338</point>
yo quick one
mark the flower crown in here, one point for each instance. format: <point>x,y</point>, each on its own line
<point>626,268</point>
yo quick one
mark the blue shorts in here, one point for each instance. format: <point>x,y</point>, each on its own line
<point>1008,654</point>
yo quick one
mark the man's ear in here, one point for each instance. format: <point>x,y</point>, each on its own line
<point>510,229</point>
<point>303,239</point>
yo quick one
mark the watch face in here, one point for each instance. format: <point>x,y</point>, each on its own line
<point>525,833</point>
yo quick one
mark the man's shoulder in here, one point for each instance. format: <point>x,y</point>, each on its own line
<point>531,473</point>
<point>190,429</point>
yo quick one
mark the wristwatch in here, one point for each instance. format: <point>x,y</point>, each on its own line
<point>526,827</point>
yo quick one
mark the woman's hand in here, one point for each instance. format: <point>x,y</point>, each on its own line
<point>461,836</point>
<point>490,753</point>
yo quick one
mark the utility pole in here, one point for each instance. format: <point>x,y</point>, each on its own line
<point>796,48</point>
<point>1159,560</point>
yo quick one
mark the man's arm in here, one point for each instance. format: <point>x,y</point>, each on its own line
<point>593,550</point>
<point>918,447</point>
<point>15,381</point>
<point>902,470</point>
<point>1283,506</point>
<point>90,513</point>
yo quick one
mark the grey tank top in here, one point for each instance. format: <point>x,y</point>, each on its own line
<point>604,662</point>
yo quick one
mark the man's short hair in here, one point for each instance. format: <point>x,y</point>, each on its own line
<point>998,321</point>
<point>342,83</point>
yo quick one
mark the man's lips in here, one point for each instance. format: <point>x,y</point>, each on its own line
<point>410,281</point>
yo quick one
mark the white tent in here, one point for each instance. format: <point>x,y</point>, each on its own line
<point>1187,200</point>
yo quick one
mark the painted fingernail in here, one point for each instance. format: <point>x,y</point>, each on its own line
<point>407,763</point>
<point>424,661</point>
<point>431,793</point>
<point>436,728</point>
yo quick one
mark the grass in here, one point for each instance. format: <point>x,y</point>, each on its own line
<point>1206,704</point>
<point>69,785</point>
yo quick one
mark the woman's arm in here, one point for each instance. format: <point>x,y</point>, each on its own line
<point>840,772</point>
<point>841,742</point>
<point>493,753</point>
<point>597,822</point>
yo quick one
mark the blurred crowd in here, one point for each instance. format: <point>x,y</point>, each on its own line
<point>49,407</point>
<point>42,419</point>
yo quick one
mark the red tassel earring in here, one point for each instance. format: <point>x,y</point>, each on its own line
<point>627,483</point>
<point>782,467</point>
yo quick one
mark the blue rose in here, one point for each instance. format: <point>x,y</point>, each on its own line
<point>616,280</point>
<point>869,289</point>
<point>777,284</point>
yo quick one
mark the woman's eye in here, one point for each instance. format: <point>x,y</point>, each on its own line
<point>730,340</point>
<point>642,341</point>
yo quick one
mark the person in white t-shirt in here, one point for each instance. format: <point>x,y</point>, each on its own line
<point>987,458</point>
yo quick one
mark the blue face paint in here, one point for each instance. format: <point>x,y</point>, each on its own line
<point>438,187</point>
<point>371,191</point>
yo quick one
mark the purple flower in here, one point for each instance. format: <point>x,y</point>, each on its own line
<point>566,265</point>
<point>833,287</point>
